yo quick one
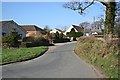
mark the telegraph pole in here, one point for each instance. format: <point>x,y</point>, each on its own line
<point>94,22</point>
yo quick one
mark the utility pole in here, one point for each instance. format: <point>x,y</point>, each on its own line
<point>94,26</point>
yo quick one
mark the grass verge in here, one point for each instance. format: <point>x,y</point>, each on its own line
<point>21,54</point>
<point>101,54</point>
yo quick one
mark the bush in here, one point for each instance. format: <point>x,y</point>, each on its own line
<point>5,45</point>
<point>23,44</point>
<point>26,44</point>
<point>28,39</point>
<point>10,40</point>
<point>34,41</point>
<point>66,40</point>
<point>56,35</point>
<point>61,40</point>
<point>61,36</point>
<point>40,41</point>
<point>75,34</point>
<point>78,34</point>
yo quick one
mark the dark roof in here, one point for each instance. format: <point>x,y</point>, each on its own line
<point>78,28</point>
<point>4,22</point>
<point>87,30</point>
<point>59,30</point>
<point>31,28</point>
<point>97,30</point>
<point>11,21</point>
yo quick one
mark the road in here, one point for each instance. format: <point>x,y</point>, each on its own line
<point>59,61</point>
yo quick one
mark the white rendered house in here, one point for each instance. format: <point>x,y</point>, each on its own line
<point>76,28</point>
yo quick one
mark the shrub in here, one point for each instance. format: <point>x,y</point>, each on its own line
<point>23,44</point>
<point>75,34</point>
<point>66,40</point>
<point>56,35</point>
<point>10,40</point>
<point>78,34</point>
<point>61,40</point>
<point>5,45</point>
<point>61,35</point>
<point>40,41</point>
<point>71,33</point>
<point>27,44</point>
<point>28,39</point>
<point>34,41</point>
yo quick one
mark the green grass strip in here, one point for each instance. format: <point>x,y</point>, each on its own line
<point>21,54</point>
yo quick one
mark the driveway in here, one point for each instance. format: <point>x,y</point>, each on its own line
<point>59,61</point>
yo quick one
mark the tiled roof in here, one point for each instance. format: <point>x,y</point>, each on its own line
<point>11,21</point>
<point>87,30</point>
<point>4,22</point>
<point>31,28</point>
<point>97,30</point>
<point>78,28</point>
<point>59,30</point>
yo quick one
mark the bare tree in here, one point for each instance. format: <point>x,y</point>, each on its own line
<point>97,24</point>
<point>110,12</point>
<point>64,28</point>
<point>46,28</point>
<point>117,21</point>
<point>85,24</point>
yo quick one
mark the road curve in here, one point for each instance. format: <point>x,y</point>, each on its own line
<point>59,61</point>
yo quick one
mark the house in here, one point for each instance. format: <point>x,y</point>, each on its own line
<point>87,32</point>
<point>32,30</point>
<point>9,26</point>
<point>97,32</point>
<point>56,30</point>
<point>75,27</point>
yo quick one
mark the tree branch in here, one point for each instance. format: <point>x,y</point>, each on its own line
<point>88,5</point>
<point>104,3</point>
<point>78,5</point>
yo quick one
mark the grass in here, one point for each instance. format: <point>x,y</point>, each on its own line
<point>101,54</point>
<point>21,54</point>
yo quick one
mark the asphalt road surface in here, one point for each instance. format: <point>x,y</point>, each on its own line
<point>59,61</point>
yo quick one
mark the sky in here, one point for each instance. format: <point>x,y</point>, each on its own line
<point>52,14</point>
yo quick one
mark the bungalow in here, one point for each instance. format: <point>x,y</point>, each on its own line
<point>97,32</point>
<point>75,27</point>
<point>32,30</point>
<point>56,30</point>
<point>9,26</point>
<point>87,32</point>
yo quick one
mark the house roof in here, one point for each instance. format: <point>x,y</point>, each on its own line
<point>87,30</point>
<point>4,22</point>
<point>78,28</point>
<point>97,30</point>
<point>31,28</point>
<point>11,21</point>
<point>59,30</point>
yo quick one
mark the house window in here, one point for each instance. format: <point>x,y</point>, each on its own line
<point>3,33</point>
<point>20,36</point>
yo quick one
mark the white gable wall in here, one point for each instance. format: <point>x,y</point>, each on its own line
<point>95,33</point>
<point>69,29</point>
<point>54,31</point>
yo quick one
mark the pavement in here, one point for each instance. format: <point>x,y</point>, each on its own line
<point>59,61</point>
